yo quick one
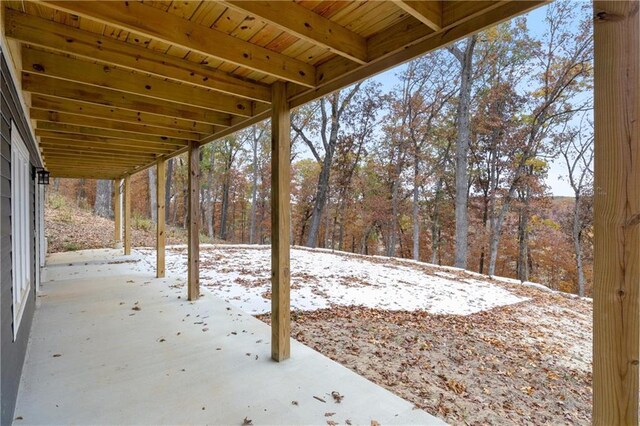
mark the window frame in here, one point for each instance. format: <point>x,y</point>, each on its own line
<point>20,235</point>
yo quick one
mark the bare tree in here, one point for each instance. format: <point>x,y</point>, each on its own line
<point>153,202</point>
<point>576,148</point>
<point>306,125</point>
<point>102,206</point>
<point>258,133</point>
<point>465,57</point>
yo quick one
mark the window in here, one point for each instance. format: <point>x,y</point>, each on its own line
<point>20,248</point>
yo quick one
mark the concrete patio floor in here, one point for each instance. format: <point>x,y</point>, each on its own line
<point>113,346</point>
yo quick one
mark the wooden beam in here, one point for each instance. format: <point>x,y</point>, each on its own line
<point>84,146</point>
<point>280,224</point>
<point>307,25</point>
<point>76,70</point>
<point>64,38</point>
<point>60,140</point>
<point>93,159</point>
<point>117,213</point>
<point>616,293</point>
<point>427,12</point>
<point>40,84</point>
<point>116,169</point>
<point>74,175</point>
<point>193,226</point>
<point>61,128</point>
<point>127,215</point>
<point>160,227</point>
<point>172,29</point>
<point>236,127</point>
<point>63,118</point>
<point>55,105</point>
<point>338,72</point>
<point>99,151</point>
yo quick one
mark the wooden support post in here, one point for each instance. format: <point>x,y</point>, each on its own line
<point>616,293</point>
<point>160,235</point>
<point>280,223</point>
<point>117,213</point>
<point>127,215</point>
<point>194,222</point>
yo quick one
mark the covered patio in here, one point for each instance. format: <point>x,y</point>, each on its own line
<point>113,88</point>
<point>111,345</point>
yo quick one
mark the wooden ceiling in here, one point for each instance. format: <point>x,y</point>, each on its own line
<point>115,85</point>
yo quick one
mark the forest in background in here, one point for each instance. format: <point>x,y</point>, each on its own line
<point>448,167</point>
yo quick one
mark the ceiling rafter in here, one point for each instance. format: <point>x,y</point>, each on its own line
<point>77,145</point>
<point>53,35</point>
<point>160,141</point>
<point>82,71</point>
<point>427,12</point>
<point>168,28</point>
<point>46,118</point>
<point>38,83</point>
<point>308,25</point>
<point>52,138</point>
<point>338,72</point>
<point>92,150</point>
<point>117,115</point>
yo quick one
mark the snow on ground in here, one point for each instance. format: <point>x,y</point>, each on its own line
<point>321,279</point>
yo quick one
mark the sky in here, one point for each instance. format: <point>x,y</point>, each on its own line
<point>557,183</point>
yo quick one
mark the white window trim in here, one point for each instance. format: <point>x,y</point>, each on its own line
<point>20,247</point>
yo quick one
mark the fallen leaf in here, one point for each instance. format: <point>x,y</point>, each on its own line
<point>294,402</point>
<point>246,422</point>
<point>136,308</point>
<point>348,422</point>
<point>337,397</point>
<point>57,355</point>
<point>329,414</point>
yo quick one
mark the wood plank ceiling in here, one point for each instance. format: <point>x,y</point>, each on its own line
<point>114,86</point>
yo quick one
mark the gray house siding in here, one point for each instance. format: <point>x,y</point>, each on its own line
<point>13,352</point>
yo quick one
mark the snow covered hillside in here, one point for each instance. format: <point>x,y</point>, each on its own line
<point>320,279</point>
<point>466,347</point>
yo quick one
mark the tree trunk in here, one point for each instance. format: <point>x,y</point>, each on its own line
<point>395,209</point>
<point>435,223</point>
<point>577,245</point>
<point>167,190</point>
<point>416,212</point>
<point>102,205</point>
<point>327,224</point>
<point>320,200</point>
<point>462,151</point>
<point>81,193</point>
<point>185,204</point>
<point>254,191</point>
<point>485,220</point>
<point>209,199</point>
<point>523,245</point>
<point>494,237</point>
<point>153,202</point>
<point>225,207</point>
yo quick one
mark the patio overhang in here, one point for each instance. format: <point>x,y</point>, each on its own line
<point>116,87</point>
